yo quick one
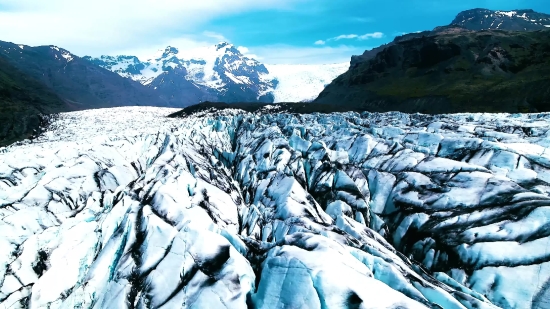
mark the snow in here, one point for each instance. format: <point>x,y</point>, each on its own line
<point>274,210</point>
<point>303,82</point>
<point>507,13</point>
<point>67,56</point>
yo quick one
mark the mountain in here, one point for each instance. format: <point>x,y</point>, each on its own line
<point>450,69</point>
<point>230,209</point>
<point>221,73</point>
<point>475,19</point>
<point>22,101</point>
<point>519,20</point>
<point>79,83</point>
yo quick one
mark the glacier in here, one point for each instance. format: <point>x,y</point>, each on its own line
<point>128,208</point>
<point>312,79</point>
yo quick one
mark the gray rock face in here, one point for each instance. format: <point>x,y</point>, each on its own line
<point>173,87</point>
<point>266,210</point>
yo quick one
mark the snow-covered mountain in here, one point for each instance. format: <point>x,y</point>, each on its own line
<point>518,20</point>
<point>272,210</point>
<point>220,73</point>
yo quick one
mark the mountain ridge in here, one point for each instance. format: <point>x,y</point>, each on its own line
<point>452,69</point>
<point>221,73</point>
<point>474,20</point>
<point>45,80</point>
<point>514,20</point>
<point>80,84</point>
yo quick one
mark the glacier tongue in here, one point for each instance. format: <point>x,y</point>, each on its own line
<point>228,209</point>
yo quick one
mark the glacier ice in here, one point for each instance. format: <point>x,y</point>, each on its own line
<point>228,209</point>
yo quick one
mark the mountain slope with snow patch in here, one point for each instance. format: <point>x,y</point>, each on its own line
<point>517,20</point>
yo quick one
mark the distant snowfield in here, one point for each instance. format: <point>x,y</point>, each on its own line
<point>303,82</point>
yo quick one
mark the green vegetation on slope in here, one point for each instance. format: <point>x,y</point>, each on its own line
<point>455,71</point>
<point>22,100</point>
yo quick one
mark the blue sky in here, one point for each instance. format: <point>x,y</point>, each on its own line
<point>275,31</point>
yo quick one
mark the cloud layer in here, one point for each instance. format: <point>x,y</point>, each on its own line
<point>141,27</point>
<point>286,54</point>
<point>366,36</point>
<point>106,26</point>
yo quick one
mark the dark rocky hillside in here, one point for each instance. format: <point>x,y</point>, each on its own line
<point>174,88</point>
<point>42,80</point>
<point>22,101</point>
<point>80,83</point>
<point>475,19</point>
<point>518,20</point>
<point>454,70</point>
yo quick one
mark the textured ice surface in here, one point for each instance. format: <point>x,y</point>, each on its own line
<point>124,208</point>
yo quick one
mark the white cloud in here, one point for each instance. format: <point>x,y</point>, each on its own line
<point>243,50</point>
<point>362,19</point>
<point>215,35</point>
<point>366,36</point>
<point>141,27</point>
<point>285,54</point>
<point>246,52</point>
<point>269,54</point>
<point>344,37</point>
<point>105,26</point>
<point>374,35</point>
<point>188,45</point>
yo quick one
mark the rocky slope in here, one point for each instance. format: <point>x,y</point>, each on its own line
<point>274,210</point>
<point>22,101</point>
<point>518,20</point>
<point>455,70</point>
<point>80,84</point>
<point>476,20</point>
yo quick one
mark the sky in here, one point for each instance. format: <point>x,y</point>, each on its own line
<point>272,31</point>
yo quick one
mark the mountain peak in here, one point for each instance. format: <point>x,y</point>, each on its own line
<point>514,20</point>
<point>169,50</point>
<point>223,44</point>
